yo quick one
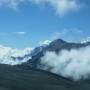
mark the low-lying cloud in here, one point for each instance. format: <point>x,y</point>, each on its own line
<point>73,64</point>
<point>12,56</point>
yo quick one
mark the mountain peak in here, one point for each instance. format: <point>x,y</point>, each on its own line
<point>58,41</point>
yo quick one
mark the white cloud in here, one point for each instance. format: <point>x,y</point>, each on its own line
<point>68,34</point>
<point>61,7</point>
<point>20,33</point>
<point>73,63</point>
<point>46,42</point>
<point>11,3</point>
<point>12,33</point>
<point>9,55</point>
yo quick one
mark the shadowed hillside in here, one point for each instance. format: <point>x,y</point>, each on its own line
<point>12,78</point>
<point>27,77</point>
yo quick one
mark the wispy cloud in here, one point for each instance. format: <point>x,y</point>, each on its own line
<point>20,33</point>
<point>68,34</point>
<point>45,42</point>
<point>73,34</point>
<point>61,7</point>
<point>11,3</point>
<point>12,33</point>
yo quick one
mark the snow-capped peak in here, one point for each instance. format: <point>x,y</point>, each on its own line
<point>86,40</point>
<point>43,43</point>
<point>14,56</point>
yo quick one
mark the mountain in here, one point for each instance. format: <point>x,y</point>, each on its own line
<point>12,78</point>
<point>27,76</point>
<point>54,46</point>
<point>32,56</point>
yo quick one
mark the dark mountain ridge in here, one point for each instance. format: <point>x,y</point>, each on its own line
<point>27,77</point>
<point>56,46</point>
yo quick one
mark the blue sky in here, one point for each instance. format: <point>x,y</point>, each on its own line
<point>26,23</point>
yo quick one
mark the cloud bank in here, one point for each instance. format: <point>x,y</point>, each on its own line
<point>61,7</point>
<point>13,56</point>
<point>73,64</point>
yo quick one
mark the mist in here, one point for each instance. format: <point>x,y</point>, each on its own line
<point>74,63</point>
<point>10,55</point>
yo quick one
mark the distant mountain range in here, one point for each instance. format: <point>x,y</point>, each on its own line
<point>29,75</point>
<point>14,56</point>
<point>55,46</point>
